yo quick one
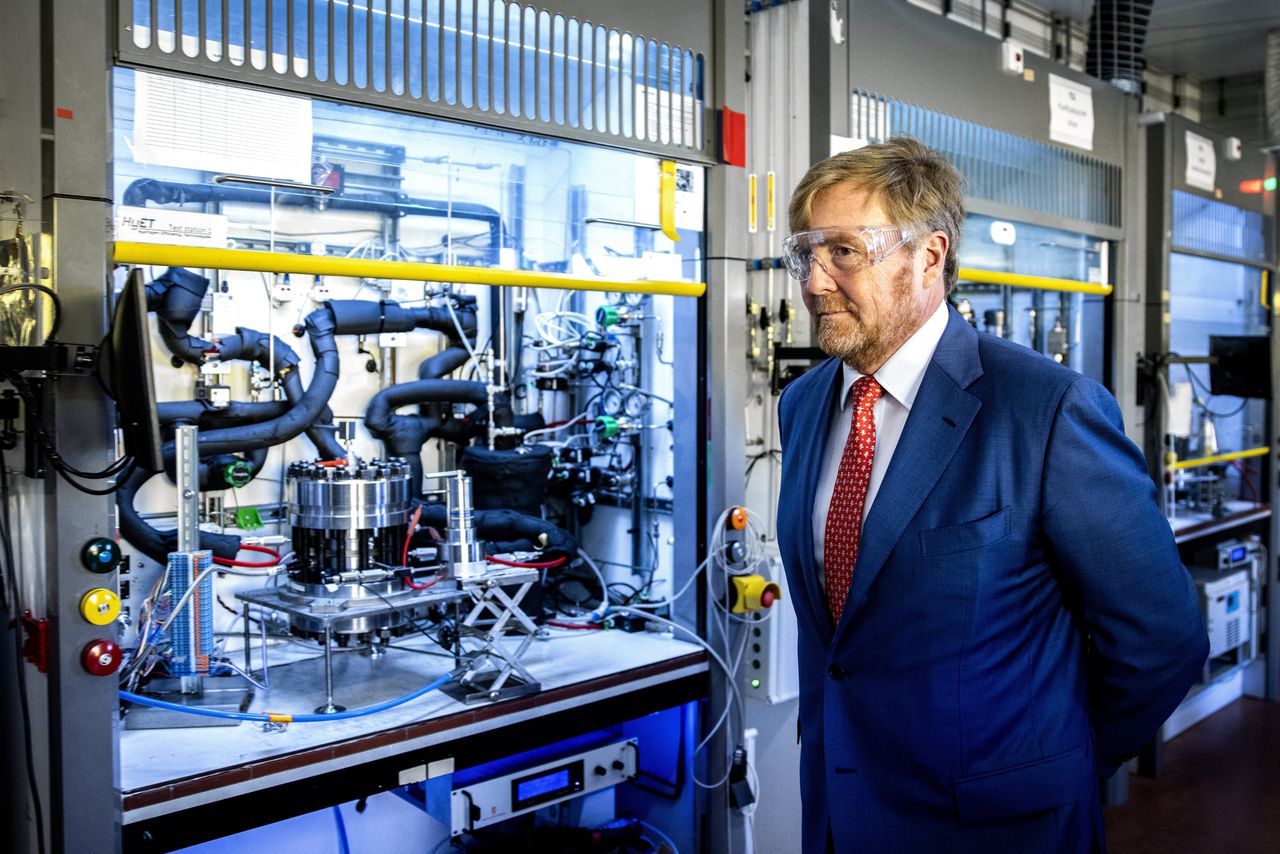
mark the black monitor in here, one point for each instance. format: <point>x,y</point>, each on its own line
<point>1241,366</point>
<point>129,350</point>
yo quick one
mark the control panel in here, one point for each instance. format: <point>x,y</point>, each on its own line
<point>507,795</point>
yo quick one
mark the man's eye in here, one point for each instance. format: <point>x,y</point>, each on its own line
<point>845,251</point>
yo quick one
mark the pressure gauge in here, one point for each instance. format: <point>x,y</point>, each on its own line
<point>634,299</point>
<point>635,404</point>
<point>611,403</point>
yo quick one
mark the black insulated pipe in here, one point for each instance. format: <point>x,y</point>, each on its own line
<point>176,297</point>
<point>504,530</point>
<point>1117,42</point>
<point>171,192</point>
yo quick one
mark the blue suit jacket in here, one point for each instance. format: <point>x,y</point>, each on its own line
<point>1019,622</point>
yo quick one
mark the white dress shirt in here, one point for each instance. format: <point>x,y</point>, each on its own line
<point>900,377</point>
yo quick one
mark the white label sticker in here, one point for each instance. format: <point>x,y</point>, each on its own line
<point>1202,164</point>
<point>1070,112</point>
<point>172,228</point>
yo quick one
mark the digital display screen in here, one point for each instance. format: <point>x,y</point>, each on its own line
<point>537,787</point>
<point>1237,554</point>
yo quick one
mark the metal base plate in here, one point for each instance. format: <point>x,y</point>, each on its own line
<point>478,690</point>
<point>234,695</point>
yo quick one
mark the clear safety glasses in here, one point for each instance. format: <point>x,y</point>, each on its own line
<point>841,251</point>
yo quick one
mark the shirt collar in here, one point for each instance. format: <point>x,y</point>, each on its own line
<point>902,374</point>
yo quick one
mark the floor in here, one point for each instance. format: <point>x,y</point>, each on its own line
<point>1220,790</point>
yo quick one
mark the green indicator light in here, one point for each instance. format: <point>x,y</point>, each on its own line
<point>755,683</point>
<point>1268,184</point>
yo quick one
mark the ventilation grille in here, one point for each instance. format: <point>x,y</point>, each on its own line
<point>1233,633</point>
<point>1206,225</point>
<point>999,166</point>
<point>488,57</point>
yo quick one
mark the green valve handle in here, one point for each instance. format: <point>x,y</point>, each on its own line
<point>607,315</point>
<point>237,474</point>
<point>607,427</point>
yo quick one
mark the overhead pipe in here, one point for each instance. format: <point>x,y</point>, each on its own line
<point>146,190</point>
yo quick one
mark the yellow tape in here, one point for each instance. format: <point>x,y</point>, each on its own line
<point>277,718</point>
<point>753,223</point>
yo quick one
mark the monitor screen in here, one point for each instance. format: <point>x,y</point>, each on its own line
<point>129,346</point>
<point>1242,366</point>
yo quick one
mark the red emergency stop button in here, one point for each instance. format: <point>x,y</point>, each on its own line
<point>101,658</point>
<point>768,597</point>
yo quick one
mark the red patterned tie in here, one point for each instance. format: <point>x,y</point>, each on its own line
<point>844,515</point>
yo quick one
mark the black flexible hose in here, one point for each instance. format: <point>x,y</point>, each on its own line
<point>172,192</point>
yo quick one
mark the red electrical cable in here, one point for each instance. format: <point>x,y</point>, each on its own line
<point>248,564</point>
<point>404,555</point>
<point>550,564</point>
<point>594,627</point>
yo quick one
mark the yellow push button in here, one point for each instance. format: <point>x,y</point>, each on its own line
<point>100,606</point>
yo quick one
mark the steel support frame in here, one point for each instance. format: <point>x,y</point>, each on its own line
<point>55,147</point>
<point>726,390</point>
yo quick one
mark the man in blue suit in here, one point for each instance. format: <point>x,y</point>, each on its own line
<point>992,610</point>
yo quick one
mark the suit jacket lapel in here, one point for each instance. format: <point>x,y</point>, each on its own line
<point>809,444</point>
<point>938,421</point>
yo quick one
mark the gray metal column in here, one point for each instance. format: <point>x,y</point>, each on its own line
<point>1128,272</point>
<point>75,77</point>
<point>727,386</point>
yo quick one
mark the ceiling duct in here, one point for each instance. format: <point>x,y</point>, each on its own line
<point>1117,42</point>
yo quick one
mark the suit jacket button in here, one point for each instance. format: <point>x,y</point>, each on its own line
<point>836,671</point>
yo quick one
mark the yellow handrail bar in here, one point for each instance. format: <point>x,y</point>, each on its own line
<point>201,257</point>
<point>1178,465</point>
<point>1019,280</point>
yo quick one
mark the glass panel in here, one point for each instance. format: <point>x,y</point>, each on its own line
<point>499,52</point>
<point>1068,327</point>
<point>413,62</point>
<point>483,53</point>
<point>558,62</point>
<point>1206,225</point>
<point>1214,298</point>
<point>466,52</point>
<point>544,66</point>
<point>573,72</point>
<point>627,101</point>
<point>431,49</point>
<point>449,37</point>
<point>615,82</point>
<point>214,48</point>
<point>515,33</point>
<point>142,23</point>
<point>529,43</point>
<point>377,18</point>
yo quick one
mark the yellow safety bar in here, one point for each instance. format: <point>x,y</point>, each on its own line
<point>1262,292</point>
<point>1177,464</point>
<point>1018,280</point>
<point>323,265</point>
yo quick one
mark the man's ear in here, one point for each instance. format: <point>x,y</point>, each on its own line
<point>935,257</point>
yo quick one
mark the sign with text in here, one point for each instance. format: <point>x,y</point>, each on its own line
<point>1070,112</point>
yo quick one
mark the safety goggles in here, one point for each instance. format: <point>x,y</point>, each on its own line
<point>841,251</point>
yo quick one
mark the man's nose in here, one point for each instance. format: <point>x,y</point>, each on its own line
<point>819,281</point>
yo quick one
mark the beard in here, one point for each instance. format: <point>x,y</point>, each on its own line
<point>862,344</point>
